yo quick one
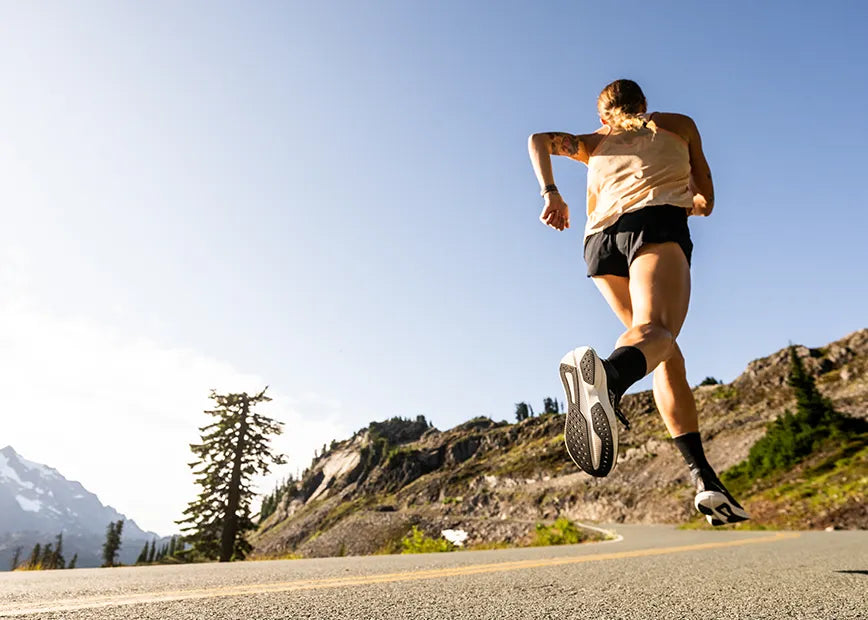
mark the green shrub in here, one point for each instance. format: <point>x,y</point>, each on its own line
<point>417,542</point>
<point>710,381</point>
<point>724,392</point>
<point>793,437</point>
<point>562,532</point>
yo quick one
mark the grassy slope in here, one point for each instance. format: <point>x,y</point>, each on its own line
<point>830,489</point>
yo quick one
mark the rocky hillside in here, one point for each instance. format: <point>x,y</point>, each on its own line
<point>496,480</point>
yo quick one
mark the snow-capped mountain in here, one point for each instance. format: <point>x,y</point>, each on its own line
<point>37,502</point>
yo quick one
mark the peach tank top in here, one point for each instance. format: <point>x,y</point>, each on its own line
<point>633,169</point>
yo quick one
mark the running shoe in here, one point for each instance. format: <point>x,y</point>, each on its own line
<point>714,501</point>
<point>591,428</point>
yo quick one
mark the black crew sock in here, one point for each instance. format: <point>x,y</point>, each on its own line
<point>624,367</point>
<point>702,474</point>
<point>690,445</point>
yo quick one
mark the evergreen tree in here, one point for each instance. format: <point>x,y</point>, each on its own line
<point>550,405</point>
<point>112,542</point>
<point>816,409</point>
<point>791,438</point>
<point>153,552</point>
<point>143,556</point>
<point>16,558</point>
<point>73,561</point>
<point>521,411</point>
<point>172,546</point>
<point>35,556</point>
<point>57,559</point>
<point>266,509</point>
<point>234,448</point>
<point>45,560</point>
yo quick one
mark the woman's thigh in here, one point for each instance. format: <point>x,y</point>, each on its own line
<point>659,286</point>
<point>616,292</point>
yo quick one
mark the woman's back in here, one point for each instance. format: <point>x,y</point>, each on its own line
<point>632,169</point>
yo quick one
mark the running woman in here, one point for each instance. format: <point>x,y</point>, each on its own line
<point>646,174</point>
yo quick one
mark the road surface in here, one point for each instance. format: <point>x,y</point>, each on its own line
<point>653,572</point>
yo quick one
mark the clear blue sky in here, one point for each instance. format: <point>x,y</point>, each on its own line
<point>337,198</point>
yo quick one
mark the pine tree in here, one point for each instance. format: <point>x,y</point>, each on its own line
<point>792,438</point>
<point>143,556</point>
<point>57,559</point>
<point>521,411</point>
<point>153,552</point>
<point>45,560</point>
<point>73,561</point>
<point>172,547</point>
<point>234,448</point>
<point>550,405</point>
<point>809,402</point>
<point>16,558</point>
<point>265,509</point>
<point>35,556</point>
<point>112,543</point>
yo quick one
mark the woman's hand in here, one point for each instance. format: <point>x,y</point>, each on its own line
<point>701,206</point>
<point>555,213</point>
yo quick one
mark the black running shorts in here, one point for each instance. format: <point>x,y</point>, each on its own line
<point>610,251</point>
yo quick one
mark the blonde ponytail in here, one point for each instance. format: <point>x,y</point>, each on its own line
<point>622,105</point>
<point>618,118</point>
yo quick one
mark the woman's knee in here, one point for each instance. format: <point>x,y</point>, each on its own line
<point>657,332</point>
<point>654,329</point>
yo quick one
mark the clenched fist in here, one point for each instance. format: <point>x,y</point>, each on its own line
<point>555,213</point>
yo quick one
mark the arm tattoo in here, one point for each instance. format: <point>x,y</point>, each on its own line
<point>565,144</point>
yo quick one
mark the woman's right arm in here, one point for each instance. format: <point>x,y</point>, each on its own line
<point>700,173</point>
<point>541,146</point>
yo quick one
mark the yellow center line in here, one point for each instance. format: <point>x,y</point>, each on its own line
<point>94,602</point>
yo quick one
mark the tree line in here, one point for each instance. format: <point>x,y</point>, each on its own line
<point>43,557</point>
<point>172,551</point>
<point>523,411</point>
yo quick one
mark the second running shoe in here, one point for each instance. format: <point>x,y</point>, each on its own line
<point>714,501</point>
<point>591,428</point>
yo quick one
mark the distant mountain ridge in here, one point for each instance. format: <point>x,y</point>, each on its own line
<point>37,502</point>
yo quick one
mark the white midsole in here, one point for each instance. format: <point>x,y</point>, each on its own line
<point>713,500</point>
<point>588,396</point>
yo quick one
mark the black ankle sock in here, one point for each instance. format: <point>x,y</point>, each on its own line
<point>625,367</point>
<point>690,446</point>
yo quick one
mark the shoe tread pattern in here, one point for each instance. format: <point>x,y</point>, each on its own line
<point>588,367</point>
<point>576,429</point>
<point>604,432</point>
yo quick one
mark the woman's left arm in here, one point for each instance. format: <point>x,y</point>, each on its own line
<point>541,146</point>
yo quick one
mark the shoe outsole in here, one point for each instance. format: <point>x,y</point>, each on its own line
<point>719,509</point>
<point>590,415</point>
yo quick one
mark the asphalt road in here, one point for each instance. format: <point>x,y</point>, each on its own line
<point>654,572</point>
